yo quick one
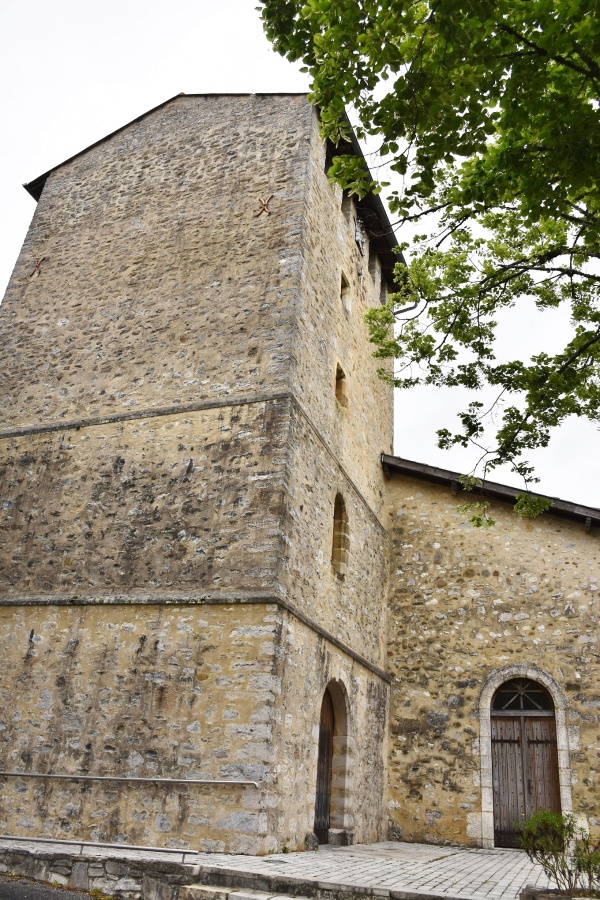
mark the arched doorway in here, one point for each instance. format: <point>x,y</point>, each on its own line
<point>324,769</point>
<point>524,756</point>
<point>334,822</point>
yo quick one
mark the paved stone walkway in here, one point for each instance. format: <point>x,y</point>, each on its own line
<point>423,868</point>
<point>416,868</point>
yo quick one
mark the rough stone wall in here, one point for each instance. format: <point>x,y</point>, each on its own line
<point>163,503</point>
<point>334,448</point>
<point>159,285</point>
<point>352,608</point>
<point>118,878</point>
<point>308,666</point>
<point>143,691</point>
<point>466,603</point>
<point>330,331</point>
<point>165,498</point>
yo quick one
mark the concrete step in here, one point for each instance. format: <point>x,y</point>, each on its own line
<point>219,883</point>
<point>205,892</point>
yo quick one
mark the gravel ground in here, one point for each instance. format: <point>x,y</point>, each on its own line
<point>21,889</point>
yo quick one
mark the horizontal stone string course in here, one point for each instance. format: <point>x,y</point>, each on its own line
<point>182,599</point>
<point>146,413</point>
<point>178,409</point>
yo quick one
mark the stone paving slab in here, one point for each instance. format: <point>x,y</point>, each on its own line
<point>394,868</point>
<point>388,870</point>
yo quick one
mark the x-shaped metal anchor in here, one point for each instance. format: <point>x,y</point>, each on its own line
<point>264,206</point>
<point>36,268</point>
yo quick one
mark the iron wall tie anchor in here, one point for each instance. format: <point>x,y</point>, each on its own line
<point>264,206</point>
<point>38,263</point>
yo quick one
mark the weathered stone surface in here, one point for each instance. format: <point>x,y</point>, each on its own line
<point>171,448</point>
<point>203,892</point>
<point>519,598</point>
<point>140,691</point>
<point>123,879</point>
<point>171,502</point>
<point>159,285</point>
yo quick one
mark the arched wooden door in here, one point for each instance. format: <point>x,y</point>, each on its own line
<point>324,770</point>
<point>524,756</point>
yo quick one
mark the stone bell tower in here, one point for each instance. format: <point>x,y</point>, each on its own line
<point>191,550</point>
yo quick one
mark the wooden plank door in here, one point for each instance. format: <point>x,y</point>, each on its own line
<point>524,771</point>
<point>324,770</point>
<point>508,781</point>
<point>543,788</point>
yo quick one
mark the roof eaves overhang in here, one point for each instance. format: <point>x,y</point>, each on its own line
<point>575,511</point>
<point>374,215</point>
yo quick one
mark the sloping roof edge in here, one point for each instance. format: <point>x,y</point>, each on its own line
<point>395,464</point>
<point>36,186</point>
<point>371,205</point>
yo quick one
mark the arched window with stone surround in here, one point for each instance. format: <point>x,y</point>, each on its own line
<point>341,537</point>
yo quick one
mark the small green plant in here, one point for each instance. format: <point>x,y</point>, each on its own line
<point>480,517</point>
<point>586,856</point>
<point>563,850</point>
<point>546,837</point>
<point>529,507</point>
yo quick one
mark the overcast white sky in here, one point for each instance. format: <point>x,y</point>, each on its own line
<point>72,72</point>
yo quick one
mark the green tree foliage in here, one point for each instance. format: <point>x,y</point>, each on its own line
<point>488,111</point>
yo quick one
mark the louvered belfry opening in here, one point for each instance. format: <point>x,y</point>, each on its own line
<point>524,756</point>
<point>341,537</point>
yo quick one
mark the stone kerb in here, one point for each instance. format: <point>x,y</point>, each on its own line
<point>530,892</point>
<point>124,879</point>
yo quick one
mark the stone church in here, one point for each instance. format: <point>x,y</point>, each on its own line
<point>231,619</point>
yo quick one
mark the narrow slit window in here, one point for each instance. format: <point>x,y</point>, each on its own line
<point>347,205</point>
<point>345,293</point>
<point>329,155</point>
<point>340,386</point>
<point>374,267</point>
<point>341,538</point>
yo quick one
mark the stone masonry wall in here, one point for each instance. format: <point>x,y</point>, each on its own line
<point>165,499</point>
<point>466,603</point>
<point>189,501</point>
<point>144,691</point>
<point>352,608</point>
<point>331,331</point>
<point>308,664</point>
<point>159,285</point>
